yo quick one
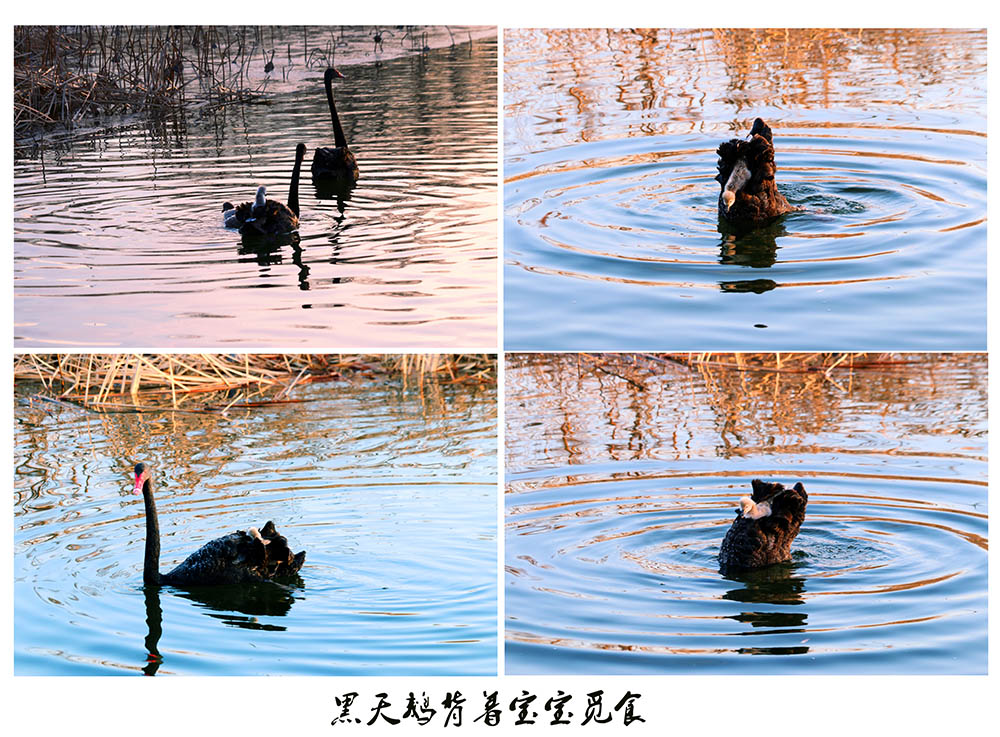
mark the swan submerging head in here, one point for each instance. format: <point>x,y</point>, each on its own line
<point>250,556</point>
<point>765,526</point>
<point>746,175</point>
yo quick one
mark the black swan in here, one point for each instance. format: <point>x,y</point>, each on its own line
<point>264,217</point>
<point>335,165</point>
<point>765,526</point>
<point>252,556</point>
<point>746,174</point>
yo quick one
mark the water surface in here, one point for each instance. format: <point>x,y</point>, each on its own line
<point>611,228</point>
<point>118,236</point>
<point>392,498</point>
<point>618,498</point>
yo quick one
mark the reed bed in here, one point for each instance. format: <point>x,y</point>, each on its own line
<point>218,382</point>
<point>65,74</point>
<point>62,74</point>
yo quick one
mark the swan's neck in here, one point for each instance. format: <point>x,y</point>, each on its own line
<point>339,139</point>
<point>293,188</point>
<point>151,562</point>
<point>738,178</point>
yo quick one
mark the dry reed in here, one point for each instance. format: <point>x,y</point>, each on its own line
<point>62,74</point>
<point>155,381</point>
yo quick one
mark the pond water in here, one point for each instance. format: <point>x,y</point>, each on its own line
<point>618,498</point>
<point>392,498</point>
<point>118,236</point>
<point>611,227</point>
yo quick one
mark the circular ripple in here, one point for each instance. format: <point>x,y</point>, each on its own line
<point>623,576</point>
<point>878,208</point>
<point>657,202</point>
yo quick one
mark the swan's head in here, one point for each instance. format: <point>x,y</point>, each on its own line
<point>332,74</point>
<point>142,473</point>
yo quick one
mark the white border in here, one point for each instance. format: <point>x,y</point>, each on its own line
<point>703,705</point>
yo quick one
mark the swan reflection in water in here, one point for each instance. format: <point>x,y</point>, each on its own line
<point>774,586</point>
<point>272,254</point>
<point>754,248</point>
<point>226,603</point>
<point>338,193</point>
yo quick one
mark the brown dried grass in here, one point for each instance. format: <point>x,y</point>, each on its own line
<point>152,381</point>
<point>64,73</point>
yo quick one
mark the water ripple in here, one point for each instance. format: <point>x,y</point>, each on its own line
<point>623,476</point>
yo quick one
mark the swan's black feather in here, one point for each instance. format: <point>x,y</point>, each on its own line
<point>238,558</point>
<point>336,164</point>
<point>752,543</point>
<point>276,218</point>
<point>759,199</point>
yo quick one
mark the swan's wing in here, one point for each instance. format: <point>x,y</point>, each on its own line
<point>238,558</point>
<point>227,559</point>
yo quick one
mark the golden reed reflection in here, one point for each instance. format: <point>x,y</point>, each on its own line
<point>595,408</point>
<point>797,68</point>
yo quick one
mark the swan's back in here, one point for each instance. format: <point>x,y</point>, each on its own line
<point>755,542</point>
<point>276,218</point>
<point>238,558</point>
<point>336,164</point>
<point>269,218</point>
